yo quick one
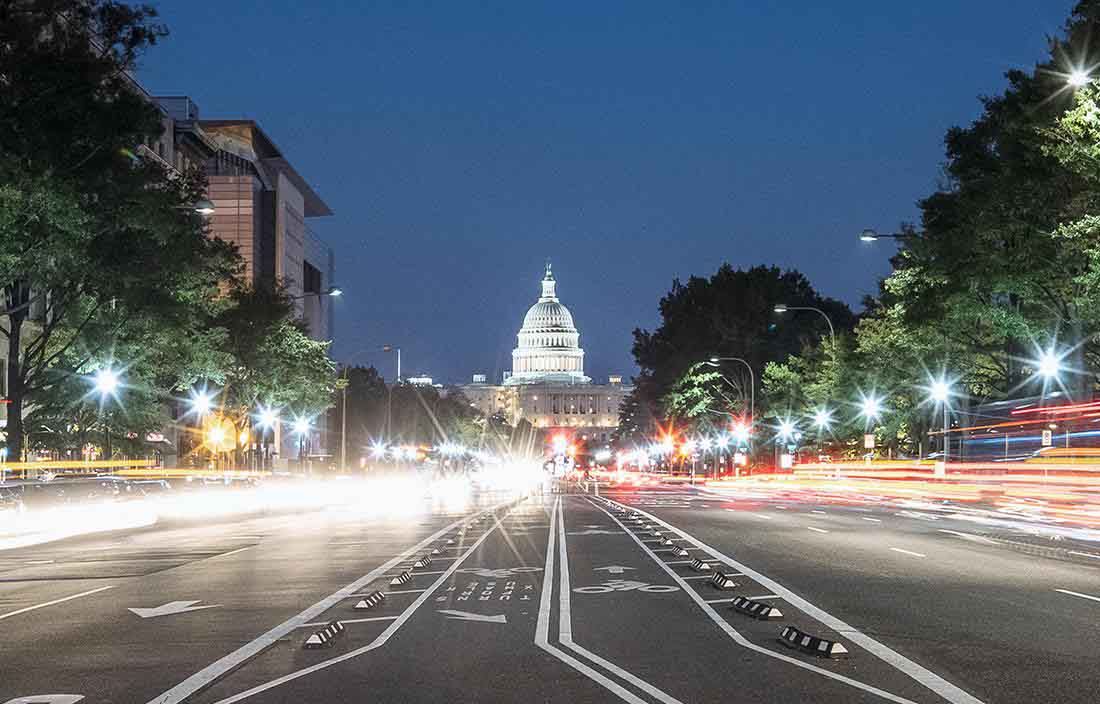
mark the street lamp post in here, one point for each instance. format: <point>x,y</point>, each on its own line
<point>334,291</point>
<point>783,308</point>
<point>869,235</point>
<point>941,391</point>
<point>106,382</point>
<point>342,384</point>
<point>389,394</point>
<point>714,362</point>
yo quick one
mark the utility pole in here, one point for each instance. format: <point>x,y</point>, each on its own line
<point>342,384</point>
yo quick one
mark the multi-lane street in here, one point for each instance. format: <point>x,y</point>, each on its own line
<point>552,598</point>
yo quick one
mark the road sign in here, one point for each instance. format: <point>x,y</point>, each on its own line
<point>613,569</point>
<point>1048,438</point>
<point>869,441</point>
<point>172,607</point>
<point>467,616</point>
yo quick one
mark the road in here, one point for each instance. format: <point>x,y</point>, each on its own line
<point>550,598</point>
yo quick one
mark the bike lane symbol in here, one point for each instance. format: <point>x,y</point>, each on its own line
<point>626,585</point>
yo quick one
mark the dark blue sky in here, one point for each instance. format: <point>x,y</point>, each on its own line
<point>462,144</point>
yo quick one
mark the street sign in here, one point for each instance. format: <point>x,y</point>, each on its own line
<point>1048,438</point>
<point>869,441</point>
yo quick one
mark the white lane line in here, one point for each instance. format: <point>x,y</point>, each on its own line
<point>678,562</point>
<point>1083,596</point>
<point>238,657</point>
<point>376,643</point>
<point>348,620</point>
<point>38,562</point>
<point>950,692</point>
<point>821,512</point>
<point>701,576</point>
<point>908,552</point>
<point>816,530</point>
<point>765,596</point>
<point>1085,554</point>
<point>718,601</point>
<point>25,609</point>
<point>414,573</point>
<point>234,552</point>
<point>542,628</point>
<point>761,515</point>
<point>967,536</point>
<point>403,591</point>
<point>565,624</point>
<point>872,520</point>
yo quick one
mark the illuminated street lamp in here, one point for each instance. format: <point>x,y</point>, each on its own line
<point>714,362</point>
<point>870,408</point>
<point>106,382</point>
<point>869,235</point>
<point>301,428</point>
<point>786,429</point>
<point>1078,78</point>
<point>1049,365</point>
<point>940,391</point>
<point>783,308</point>
<point>201,402</point>
<point>823,418</point>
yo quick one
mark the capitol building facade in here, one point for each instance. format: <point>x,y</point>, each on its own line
<point>547,385</point>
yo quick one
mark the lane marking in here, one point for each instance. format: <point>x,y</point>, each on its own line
<point>908,552</point>
<point>947,690</point>
<point>968,536</point>
<point>702,576</point>
<point>872,520</point>
<point>679,562</point>
<point>565,625</point>
<point>760,515</point>
<point>399,591</point>
<point>233,552</point>
<point>414,573</point>
<point>238,657</point>
<point>348,620</point>
<point>376,643</point>
<point>718,601</point>
<point>38,562</point>
<point>1083,596</point>
<point>765,596</point>
<point>1085,554</point>
<point>821,512</point>
<point>542,629</point>
<point>44,604</point>
<point>816,530</point>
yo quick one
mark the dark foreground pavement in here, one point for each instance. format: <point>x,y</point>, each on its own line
<point>551,599</point>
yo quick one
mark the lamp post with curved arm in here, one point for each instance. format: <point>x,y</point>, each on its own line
<point>783,308</point>
<point>714,362</point>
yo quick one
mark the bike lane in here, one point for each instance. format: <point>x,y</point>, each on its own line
<point>641,609</point>
<point>467,628</point>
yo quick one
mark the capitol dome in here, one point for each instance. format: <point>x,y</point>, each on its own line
<point>549,344</point>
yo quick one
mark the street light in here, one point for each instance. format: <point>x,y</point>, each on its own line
<point>204,207</point>
<point>334,291</point>
<point>870,408</point>
<point>783,308</point>
<point>266,419</point>
<point>940,391</point>
<point>1078,78</point>
<point>869,235</point>
<point>201,403</point>
<point>105,382</point>
<point>1049,365</point>
<point>823,418</point>
<point>301,427</point>
<point>715,362</point>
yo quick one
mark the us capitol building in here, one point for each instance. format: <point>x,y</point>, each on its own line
<point>547,385</point>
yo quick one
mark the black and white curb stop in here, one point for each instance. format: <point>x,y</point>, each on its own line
<point>723,581</point>
<point>680,552</point>
<point>794,638</point>
<point>667,541</point>
<point>401,578</point>
<point>422,561</point>
<point>326,637</point>
<point>756,609</point>
<point>700,566</point>
<point>373,599</point>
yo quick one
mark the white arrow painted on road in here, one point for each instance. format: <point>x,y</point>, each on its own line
<point>172,607</point>
<point>467,616</point>
<point>613,569</point>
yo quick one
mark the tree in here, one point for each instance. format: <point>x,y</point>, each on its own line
<point>95,243</point>
<point>731,314</point>
<point>271,360</point>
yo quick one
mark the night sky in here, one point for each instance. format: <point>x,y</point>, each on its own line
<point>462,144</point>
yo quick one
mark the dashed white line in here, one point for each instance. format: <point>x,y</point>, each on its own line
<point>348,620</point>
<point>816,530</point>
<point>1085,554</point>
<point>821,512</point>
<point>234,552</point>
<point>760,515</point>
<point>718,601</point>
<point>765,596</point>
<point>1083,596</point>
<point>908,552</point>
<point>25,609</point>
<point>399,591</point>
<point>872,520</point>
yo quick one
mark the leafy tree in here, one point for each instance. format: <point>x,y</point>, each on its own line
<point>95,244</point>
<point>731,314</point>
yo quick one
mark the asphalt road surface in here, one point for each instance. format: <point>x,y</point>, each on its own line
<point>551,598</point>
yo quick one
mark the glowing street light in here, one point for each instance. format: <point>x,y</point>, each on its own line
<point>106,382</point>
<point>1078,78</point>
<point>823,418</point>
<point>786,429</point>
<point>301,425</point>
<point>940,391</point>
<point>870,408</point>
<point>267,418</point>
<point>1049,365</point>
<point>201,402</point>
